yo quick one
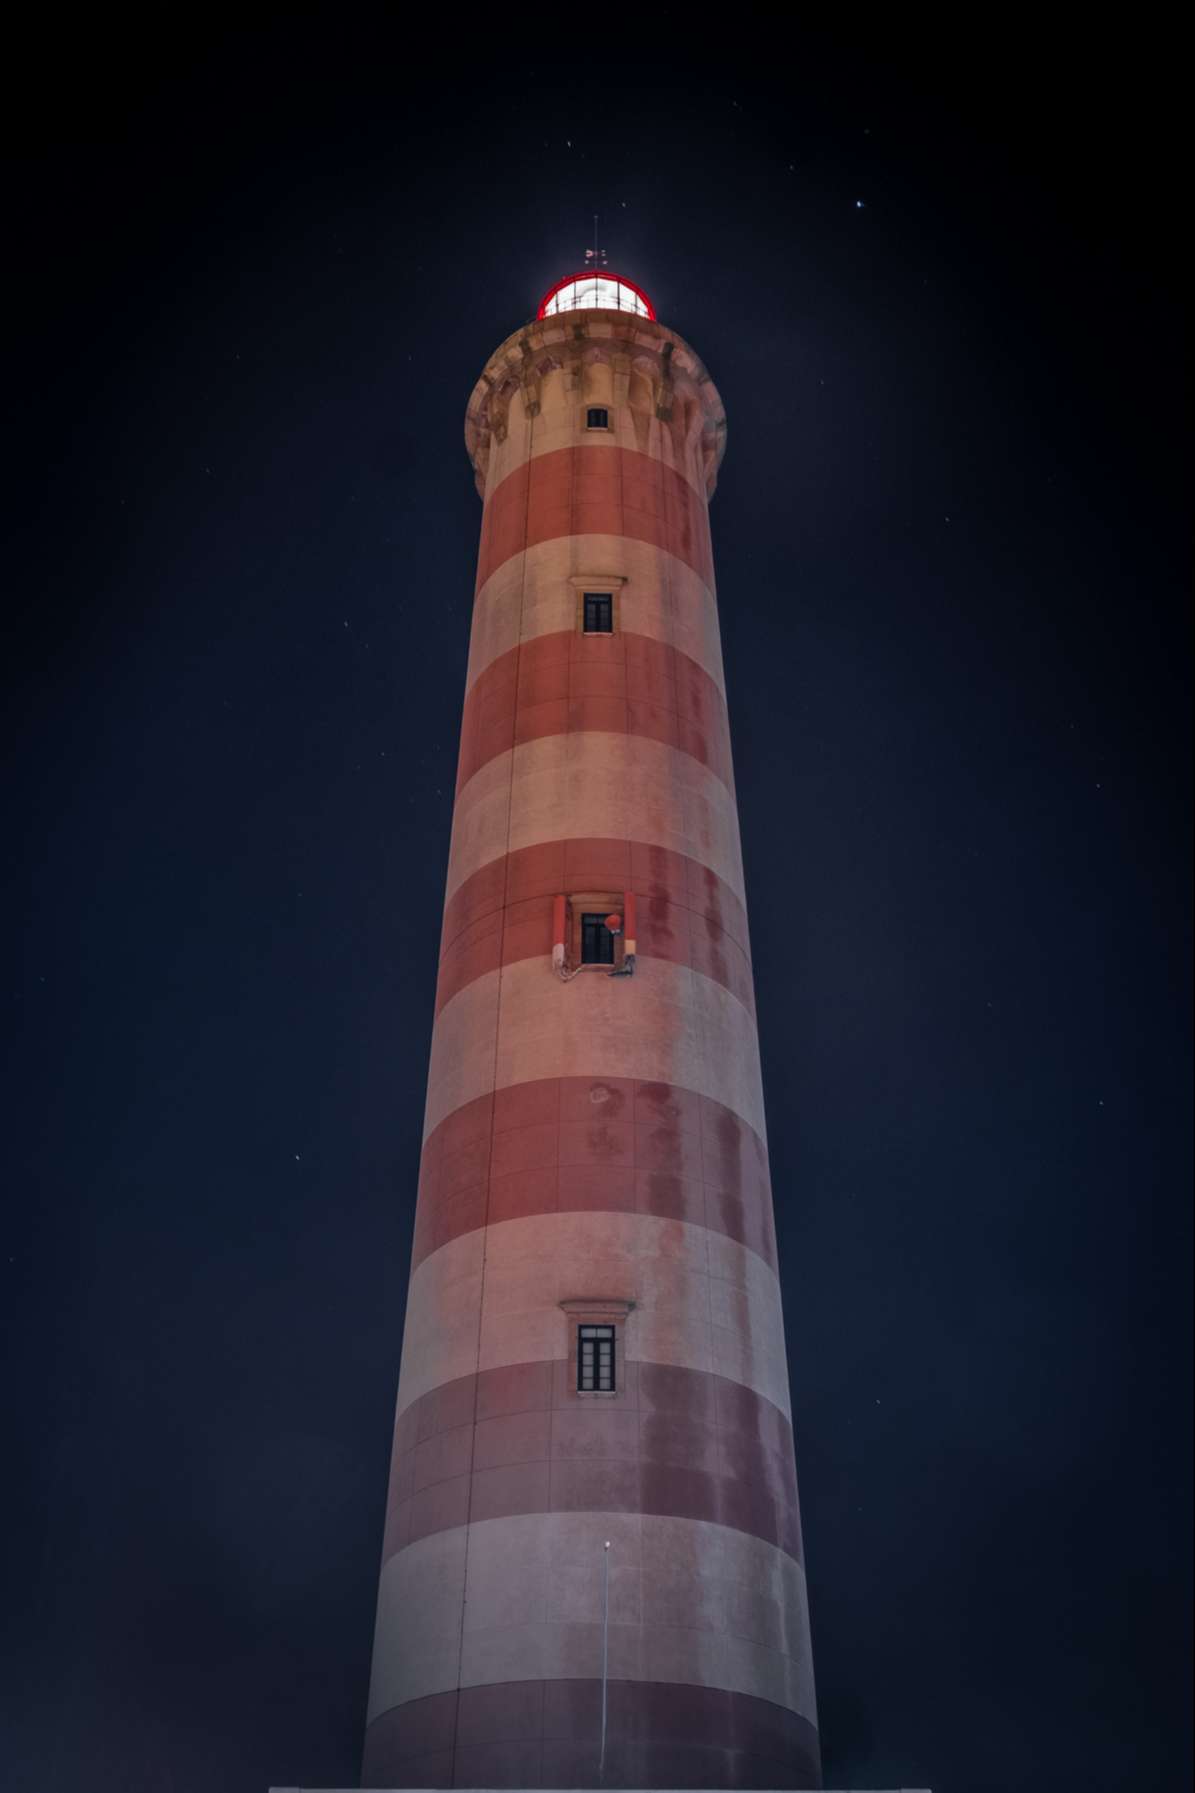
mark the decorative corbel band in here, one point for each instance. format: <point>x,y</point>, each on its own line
<point>529,378</point>
<point>569,341</point>
<point>664,390</point>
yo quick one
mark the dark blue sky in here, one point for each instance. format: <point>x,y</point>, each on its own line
<point>257,277</point>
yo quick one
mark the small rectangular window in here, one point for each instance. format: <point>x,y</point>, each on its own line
<point>598,614</point>
<point>597,418</point>
<point>597,942</point>
<point>595,1360</point>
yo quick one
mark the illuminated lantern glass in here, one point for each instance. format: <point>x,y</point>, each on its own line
<point>595,292</point>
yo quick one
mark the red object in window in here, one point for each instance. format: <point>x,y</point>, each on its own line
<point>614,923</point>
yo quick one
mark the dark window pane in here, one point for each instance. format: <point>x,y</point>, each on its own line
<point>599,613</point>
<point>597,418</point>
<point>597,942</point>
<point>595,1359</point>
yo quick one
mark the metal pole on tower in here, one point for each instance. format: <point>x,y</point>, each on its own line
<point>605,1656</point>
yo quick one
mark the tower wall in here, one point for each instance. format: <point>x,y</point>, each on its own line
<point>594,1148</point>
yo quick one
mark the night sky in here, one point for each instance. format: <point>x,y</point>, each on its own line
<point>935,279</point>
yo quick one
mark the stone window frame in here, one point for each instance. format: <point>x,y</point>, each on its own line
<point>596,1310</point>
<point>604,583</point>
<point>593,902</point>
<point>607,427</point>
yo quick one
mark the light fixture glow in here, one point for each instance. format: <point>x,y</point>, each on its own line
<point>595,292</point>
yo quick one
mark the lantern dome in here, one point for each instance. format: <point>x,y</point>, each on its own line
<point>595,291</point>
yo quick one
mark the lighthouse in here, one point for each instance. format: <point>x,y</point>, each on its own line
<point>592,1571</point>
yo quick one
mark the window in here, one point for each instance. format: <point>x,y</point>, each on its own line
<point>597,942</point>
<point>599,594</point>
<point>597,612</point>
<point>594,1336</point>
<point>597,418</point>
<point>595,1360</point>
<point>589,933</point>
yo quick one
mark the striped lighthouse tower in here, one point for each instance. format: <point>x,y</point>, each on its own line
<point>592,1569</point>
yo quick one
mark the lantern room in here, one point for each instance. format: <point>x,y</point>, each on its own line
<point>594,291</point>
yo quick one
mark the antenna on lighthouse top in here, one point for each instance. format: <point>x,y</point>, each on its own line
<point>595,258</point>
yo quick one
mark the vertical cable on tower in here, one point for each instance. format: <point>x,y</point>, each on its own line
<point>605,1657</point>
